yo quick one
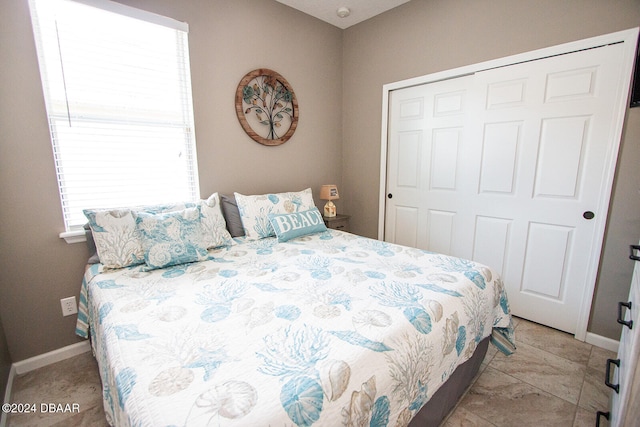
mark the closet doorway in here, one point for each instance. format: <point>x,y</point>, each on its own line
<point>510,163</point>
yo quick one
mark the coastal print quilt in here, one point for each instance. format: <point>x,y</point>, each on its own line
<point>325,330</point>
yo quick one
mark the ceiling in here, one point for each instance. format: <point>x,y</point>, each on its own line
<point>327,10</point>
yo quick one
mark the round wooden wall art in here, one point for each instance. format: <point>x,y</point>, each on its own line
<point>266,107</point>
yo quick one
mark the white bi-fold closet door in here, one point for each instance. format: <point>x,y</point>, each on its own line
<point>512,167</point>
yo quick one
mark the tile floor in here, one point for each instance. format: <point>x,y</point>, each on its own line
<point>551,380</point>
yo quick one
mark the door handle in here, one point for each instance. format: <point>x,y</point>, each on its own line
<point>601,414</point>
<point>588,215</point>
<point>615,387</point>
<point>633,256</point>
<point>627,323</point>
<point>390,196</point>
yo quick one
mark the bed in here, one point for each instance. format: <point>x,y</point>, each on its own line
<point>289,325</point>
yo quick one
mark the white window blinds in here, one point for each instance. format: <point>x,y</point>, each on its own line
<point>118,95</point>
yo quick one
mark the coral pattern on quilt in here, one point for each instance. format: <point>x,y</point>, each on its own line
<point>327,329</point>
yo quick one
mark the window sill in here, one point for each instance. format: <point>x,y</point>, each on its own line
<point>76,236</point>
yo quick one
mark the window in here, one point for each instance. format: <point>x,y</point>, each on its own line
<point>117,90</point>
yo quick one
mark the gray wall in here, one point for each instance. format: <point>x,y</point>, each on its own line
<point>426,36</point>
<point>227,40</point>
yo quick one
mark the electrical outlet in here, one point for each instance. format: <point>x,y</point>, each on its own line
<point>69,306</point>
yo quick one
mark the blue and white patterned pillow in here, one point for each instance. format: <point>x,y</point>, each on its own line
<point>172,238</point>
<point>116,236</point>
<point>118,240</point>
<point>214,226</point>
<point>288,226</point>
<point>254,210</point>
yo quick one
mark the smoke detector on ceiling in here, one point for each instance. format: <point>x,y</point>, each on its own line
<point>343,12</point>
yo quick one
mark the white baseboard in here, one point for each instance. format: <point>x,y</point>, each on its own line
<point>40,361</point>
<point>7,395</point>
<point>54,356</point>
<point>602,342</point>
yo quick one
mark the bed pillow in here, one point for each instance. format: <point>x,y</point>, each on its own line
<point>232,215</point>
<point>255,210</point>
<point>214,226</point>
<point>116,236</point>
<point>172,238</point>
<point>288,226</point>
<point>91,245</point>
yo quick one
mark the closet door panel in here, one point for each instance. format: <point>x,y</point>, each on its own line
<point>522,150</point>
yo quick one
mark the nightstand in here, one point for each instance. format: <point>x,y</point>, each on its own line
<point>338,222</point>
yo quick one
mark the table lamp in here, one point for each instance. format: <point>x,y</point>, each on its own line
<point>329,192</point>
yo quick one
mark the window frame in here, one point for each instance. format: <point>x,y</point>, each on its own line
<point>74,232</point>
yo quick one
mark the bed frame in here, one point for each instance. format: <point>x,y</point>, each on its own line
<point>448,396</point>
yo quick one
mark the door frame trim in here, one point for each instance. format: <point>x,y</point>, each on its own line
<point>630,39</point>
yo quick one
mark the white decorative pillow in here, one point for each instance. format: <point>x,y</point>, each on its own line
<point>116,237</point>
<point>115,234</point>
<point>255,210</point>
<point>214,226</point>
<point>172,238</point>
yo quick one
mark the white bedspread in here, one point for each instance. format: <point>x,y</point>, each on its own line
<point>329,329</point>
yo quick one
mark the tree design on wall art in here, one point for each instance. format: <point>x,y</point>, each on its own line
<point>266,107</point>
